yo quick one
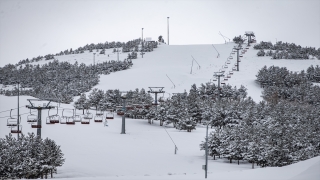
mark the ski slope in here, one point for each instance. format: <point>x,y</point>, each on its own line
<point>146,151</point>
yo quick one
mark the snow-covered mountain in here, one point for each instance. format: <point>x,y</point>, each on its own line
<point>146,151</point>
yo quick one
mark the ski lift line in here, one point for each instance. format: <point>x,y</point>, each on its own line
<point>196,61</point>
<point>216,50</point>
<point>11,109</point>
<point>15,115</point>
<point>171,81</point>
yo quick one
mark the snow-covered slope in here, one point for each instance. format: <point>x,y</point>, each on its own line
<point>146,151</point>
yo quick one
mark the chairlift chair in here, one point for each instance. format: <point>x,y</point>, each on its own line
<point>64,118</point>
<point>240,55</point>
<point>110,115</point>
<point>230,57</point>
<point>223,82</point>
<point>120,112</point>
<point>225,66</point>
<point>225,79</point>
<point>234,68</point>
<point>31,118</point>
<point>228,62</point>
<point>99,116</point>
<point>239,60</point>
<point>86,118</point>
<point>11,121</point>
<point>230,72</point>
<point>99,112</point>
<point>14,129</point>
<point>214,79</point>
<point>76,117</point>
<point>35,126</point>
<point>70,121</point>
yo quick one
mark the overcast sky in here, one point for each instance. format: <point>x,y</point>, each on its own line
<point>29,28</point>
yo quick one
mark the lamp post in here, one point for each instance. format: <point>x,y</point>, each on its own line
<point>18,110</point>
<point>142,44</point>
<point>94,56</point>
<point>168,28</point>
<point>206,166</point>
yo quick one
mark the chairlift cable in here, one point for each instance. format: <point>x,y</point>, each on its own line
<point>11,109</point>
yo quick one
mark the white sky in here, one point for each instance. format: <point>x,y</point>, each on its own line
<point>29,28</point>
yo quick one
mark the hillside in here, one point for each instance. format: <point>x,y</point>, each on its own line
<point>146,151</point>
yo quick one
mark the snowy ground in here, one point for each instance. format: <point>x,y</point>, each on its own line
<point>146,151</point>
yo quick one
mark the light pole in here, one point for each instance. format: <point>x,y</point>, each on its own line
<point>142,44</point>
<point>18,110</point>
<point>94,54</point>
<point>206,166</point>
<point>168,28</point>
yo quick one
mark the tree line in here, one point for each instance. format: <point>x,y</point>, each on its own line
<point>282,129</point>
<point>29,157</point>
<point>60,81</point>
<point>286,50</point>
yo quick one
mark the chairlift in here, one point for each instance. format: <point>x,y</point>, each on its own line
<point>70,120</point>
<point>161,99</point>
<point>86,118</point>
<point>35,126</point>
<point>76,117</point>
<point>14,129</point>
<point>99,113</point>
<point>120,112</point>
<point>110,115</point>
<point>11,121</point>
<point>99,116</point>
<point>32,118</point>
<point>52,119</point>
<point>88,115</point>
<point>64,119</point>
